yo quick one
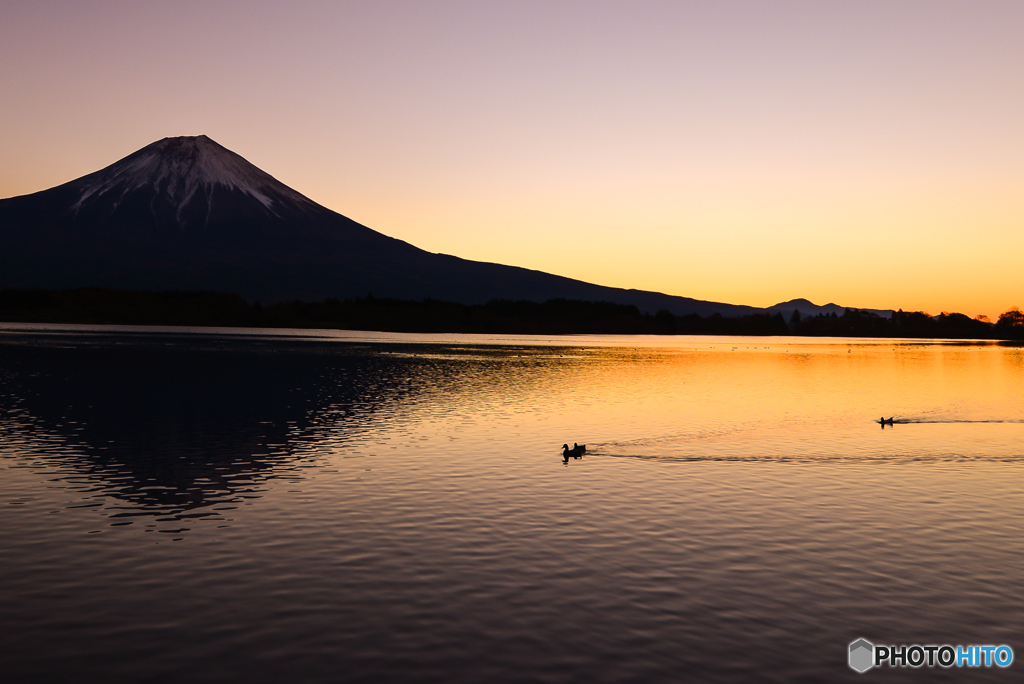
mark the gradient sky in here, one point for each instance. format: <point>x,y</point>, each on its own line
<point>865,153</point>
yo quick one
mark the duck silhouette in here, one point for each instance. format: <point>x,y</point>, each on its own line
<point>575,452</point>
<point>883,421</point>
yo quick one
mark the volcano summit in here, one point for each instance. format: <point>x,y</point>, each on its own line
<point>188,214</point>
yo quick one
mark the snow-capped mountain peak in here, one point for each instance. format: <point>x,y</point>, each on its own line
<point>179,168</point>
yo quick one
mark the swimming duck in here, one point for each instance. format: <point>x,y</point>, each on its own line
<point>575,452</point>
<point>883,421</point>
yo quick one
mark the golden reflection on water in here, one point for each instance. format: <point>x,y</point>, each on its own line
<point>734,399</point>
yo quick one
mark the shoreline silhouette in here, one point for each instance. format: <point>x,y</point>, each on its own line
<point>554,316</point>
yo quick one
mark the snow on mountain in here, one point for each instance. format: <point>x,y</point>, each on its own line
<point>179,168</point>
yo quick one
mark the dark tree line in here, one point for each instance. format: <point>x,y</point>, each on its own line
<point>556,316</point>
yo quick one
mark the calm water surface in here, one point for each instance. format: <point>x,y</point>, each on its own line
<point>213,506</point>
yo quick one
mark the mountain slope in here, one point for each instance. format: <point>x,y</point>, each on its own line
<point>188,214</point>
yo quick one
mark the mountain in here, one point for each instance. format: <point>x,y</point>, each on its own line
<point>188,214</point>
<point>807,308</point>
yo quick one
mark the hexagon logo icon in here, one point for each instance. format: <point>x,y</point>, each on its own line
<point>862,655</point>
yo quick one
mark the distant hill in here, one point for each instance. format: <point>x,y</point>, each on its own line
<point>188,214</point>
<point>807,308</point>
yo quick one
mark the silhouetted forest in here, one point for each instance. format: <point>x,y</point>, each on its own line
<point>556,316</point>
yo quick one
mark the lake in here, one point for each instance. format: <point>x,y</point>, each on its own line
<point>324,506</point>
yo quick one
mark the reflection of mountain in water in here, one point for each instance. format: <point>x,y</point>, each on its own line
<point>170,424</point>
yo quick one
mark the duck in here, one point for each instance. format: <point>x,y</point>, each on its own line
<point>575,452</point>
<point>582,448</point>
<point>883,421</point>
